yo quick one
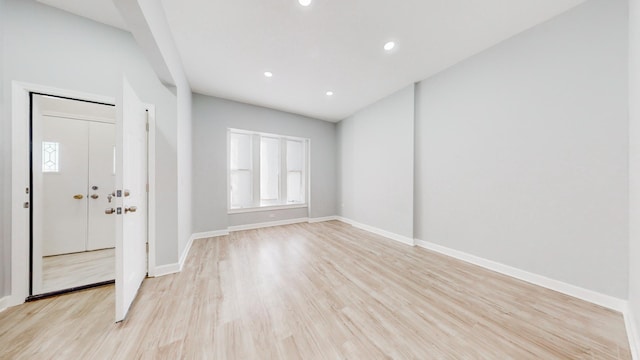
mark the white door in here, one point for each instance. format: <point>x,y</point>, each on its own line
<point>73,145</point>
<point>60,165</point>
<point>101,232</point>
<point>131,210</point>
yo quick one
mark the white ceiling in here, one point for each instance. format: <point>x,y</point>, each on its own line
<point>226,46</point>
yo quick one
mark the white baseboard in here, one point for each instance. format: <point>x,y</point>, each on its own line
<point>556,285</point>
<point>4,303</point>
<point>393,236</point>
<point>267,224</point>
<point>209,234</point>
<point>632,333</point>
<point>185,252</point>
<point>322,219</point>
<point>168,269</point>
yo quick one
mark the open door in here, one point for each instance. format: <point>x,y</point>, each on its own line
<point>130,202</point>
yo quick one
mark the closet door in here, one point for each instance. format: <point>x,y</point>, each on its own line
<point>61,167</point>
<point>102,227</point>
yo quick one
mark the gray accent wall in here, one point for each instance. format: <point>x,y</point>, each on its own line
<point>50,47</point>
<point>212,117</point>
<point>376,164</point>
<point>521,151</point>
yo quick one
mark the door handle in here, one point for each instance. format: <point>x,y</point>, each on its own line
<point>109,211</point>
<point>95,196</point>
<point>130,208</point>
<point>78,196</point>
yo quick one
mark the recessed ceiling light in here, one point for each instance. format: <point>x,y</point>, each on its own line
<point>304,2</point>
<point>329,93</point>
<point>268,74</point>
<point>389,46</point>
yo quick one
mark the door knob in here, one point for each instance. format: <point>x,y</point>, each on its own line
<point>78,196</point>
<point>95,196</point>
<point>130,208</point>
<point>109,211</point>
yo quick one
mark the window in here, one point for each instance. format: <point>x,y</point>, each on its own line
<point>266,170</point>
<point>50,156</point>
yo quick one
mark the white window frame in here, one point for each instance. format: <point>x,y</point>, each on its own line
<point>255,155</point>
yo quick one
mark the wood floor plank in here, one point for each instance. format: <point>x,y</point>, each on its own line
<point>317,291</point>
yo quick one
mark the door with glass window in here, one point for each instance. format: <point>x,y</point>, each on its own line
<point>73,146</point>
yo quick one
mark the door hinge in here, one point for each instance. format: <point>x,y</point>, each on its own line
<point>147,126</point>
<point>147,187</point>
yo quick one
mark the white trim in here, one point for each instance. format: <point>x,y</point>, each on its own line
<point>4,303</point>
<point>393,236</point>
<point>91,118</point>
<point>632,333</point>
<point>185,252</point>
<point>168,269</point>
<point>267,224</point>
<point>209,234</point>
<point>322,219</point>
<point>265,208</point>
<point>556,285</point>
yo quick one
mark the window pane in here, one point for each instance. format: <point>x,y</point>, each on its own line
<point>240,188</point>
<point>295,155</point>
<point>269,168</point>
<point>295,189</point>
<point>50,155</point>
<point>240,151</point>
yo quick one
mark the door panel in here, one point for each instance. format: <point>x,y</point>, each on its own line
<point>102,227</point>
<point>64,184</point>
<point>131,176</point>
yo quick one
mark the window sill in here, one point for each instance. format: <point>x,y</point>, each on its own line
<point>266,208</point>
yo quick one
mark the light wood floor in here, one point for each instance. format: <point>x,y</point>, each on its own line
<point>317,291</point>
<point>67,271</point>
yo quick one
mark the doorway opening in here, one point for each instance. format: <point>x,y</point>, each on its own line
<point>134,203</point>
<point>72,181</point>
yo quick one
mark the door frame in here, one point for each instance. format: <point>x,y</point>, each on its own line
<point>20,181</point>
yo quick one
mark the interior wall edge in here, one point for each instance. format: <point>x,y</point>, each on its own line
<point>632,332</point>
<point>4,303</point>
<point>591,296</point>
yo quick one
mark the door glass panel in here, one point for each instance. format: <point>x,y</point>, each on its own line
<point>50,151</point>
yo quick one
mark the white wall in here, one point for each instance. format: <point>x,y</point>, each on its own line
<point>376,164</point>
<point>212,117</point>
<point>46,46</point>
<point>521,155</point>
<point>634,162</point>
<point>185,170</point>
<point>5,168</point>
